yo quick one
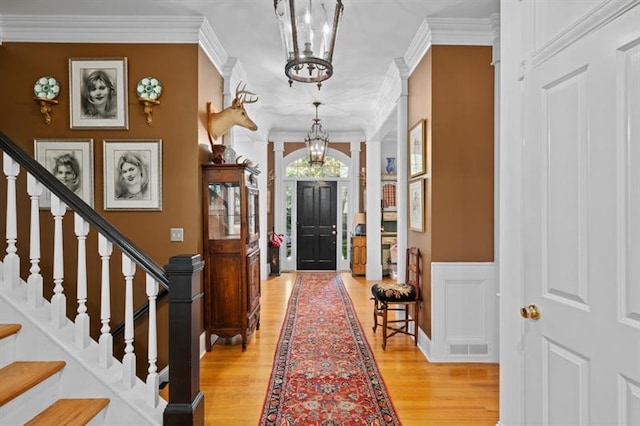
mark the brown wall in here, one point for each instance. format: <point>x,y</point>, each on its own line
<point>188,79</point>
<point>462,148</point>
<point>452,88</point>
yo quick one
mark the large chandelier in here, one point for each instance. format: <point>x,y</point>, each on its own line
<point>308,29</point>
<point>317,141</point>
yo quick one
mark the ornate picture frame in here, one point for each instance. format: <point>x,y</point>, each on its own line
<point>416,205</point>
<point>98,93</point>
<point>418,148</point>
<point>71,162</point>
<point>132,174</point>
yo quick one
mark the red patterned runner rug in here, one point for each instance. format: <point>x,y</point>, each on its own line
<point>324,372</point>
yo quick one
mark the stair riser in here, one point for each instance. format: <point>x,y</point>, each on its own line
<point>27,405</point>
<point>7,350</point>
<point>83,377</point>
<point>100,418</point>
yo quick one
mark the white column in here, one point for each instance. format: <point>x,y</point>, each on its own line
<point>401,168</point>
<point>495,23</point>
<point>227,97</point>
<point>373,210</point>
<point>277,207</point>
<point>354,189</point>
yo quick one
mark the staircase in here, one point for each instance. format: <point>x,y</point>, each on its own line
<point>59,383</point>
<point>19,377</point>
<point>52,370</point>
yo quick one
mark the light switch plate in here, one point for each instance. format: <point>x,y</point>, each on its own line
<point>176,234</point>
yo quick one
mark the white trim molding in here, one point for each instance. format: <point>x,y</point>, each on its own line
<point>115,29</point>
<point>464,306</point>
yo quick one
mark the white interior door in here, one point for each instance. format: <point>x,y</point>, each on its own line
<point>581,215</point>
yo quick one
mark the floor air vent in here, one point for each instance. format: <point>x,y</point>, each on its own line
<point>473,349</point>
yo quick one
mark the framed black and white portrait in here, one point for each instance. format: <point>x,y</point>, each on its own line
<point>71,162</point>
<point>98,93</point>
<point>132,175</point>
<point>416,205</point>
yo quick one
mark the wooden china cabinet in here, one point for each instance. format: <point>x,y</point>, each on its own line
<point>231,251</point>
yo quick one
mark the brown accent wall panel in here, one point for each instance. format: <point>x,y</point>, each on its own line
<point>462,148</point>
<point>175,121</point>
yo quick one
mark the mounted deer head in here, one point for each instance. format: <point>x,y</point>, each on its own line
<point>218,123</point>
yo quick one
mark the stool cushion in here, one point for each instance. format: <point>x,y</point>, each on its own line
<point>392,292</point>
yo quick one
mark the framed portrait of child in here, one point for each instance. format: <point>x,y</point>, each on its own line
<point>98,93</point>
<point>133,174</point>
<point>71,162</point>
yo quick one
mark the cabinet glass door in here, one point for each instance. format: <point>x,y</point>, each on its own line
<point>253,222</point>
<point>224,210</point>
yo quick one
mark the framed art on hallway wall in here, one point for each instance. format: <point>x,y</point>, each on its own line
<point>417,149</point>
<point>98,93</point>
<point>132,174</point>
<point>416,205</point>
<point>71,162</point>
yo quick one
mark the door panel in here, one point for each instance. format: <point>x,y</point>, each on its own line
<point>317,225</point>
<point>581,210</point>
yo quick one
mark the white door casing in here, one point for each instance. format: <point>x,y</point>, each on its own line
<point>579,214</point>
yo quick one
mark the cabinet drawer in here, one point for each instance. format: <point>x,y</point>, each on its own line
<point>390,216</point>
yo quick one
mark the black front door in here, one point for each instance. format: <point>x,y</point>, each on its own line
<point>316,243</point>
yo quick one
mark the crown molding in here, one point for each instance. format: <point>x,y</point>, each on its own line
<point>448,31</point>
<point>101,29</point>
<point>418,47</point>
<point>114,29</point>
<point>393,86</point>
<point>212,47</point>
<point>463,32</point>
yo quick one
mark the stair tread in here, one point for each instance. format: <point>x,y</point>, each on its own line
<point>70,412</point>
<point>8,329</point>
<point>20,376</point>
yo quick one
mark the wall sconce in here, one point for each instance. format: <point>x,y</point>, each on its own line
<point>363,177</point>
<point>149,90</point>
<point>45,91</point>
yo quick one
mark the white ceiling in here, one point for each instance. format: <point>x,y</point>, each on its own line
<point>372,33</point>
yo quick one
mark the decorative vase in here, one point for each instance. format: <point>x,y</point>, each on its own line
<point>391,165</point>
<point>229,155</point>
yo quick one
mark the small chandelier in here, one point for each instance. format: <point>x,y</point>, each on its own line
<point>317,141</point>
<point>308,29</point>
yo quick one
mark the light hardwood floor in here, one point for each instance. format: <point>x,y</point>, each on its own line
<point>234,382</point>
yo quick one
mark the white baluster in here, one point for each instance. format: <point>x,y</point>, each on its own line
<point>11,260</point>
<point>152,377</point>
<point>105,248</point>
<point>58,300</point>
<point>81,228</point>
<point>129,358</point>
<point>34,282</point>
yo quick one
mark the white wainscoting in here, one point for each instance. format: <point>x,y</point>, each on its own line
<point>464,306</point>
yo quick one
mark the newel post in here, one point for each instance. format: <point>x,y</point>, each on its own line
<point>186,402</point>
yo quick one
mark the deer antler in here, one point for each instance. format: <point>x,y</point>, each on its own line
<point>240,95</point>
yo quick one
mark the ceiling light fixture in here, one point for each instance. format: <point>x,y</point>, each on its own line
<point>317,141</point>
<point>308,29</point>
